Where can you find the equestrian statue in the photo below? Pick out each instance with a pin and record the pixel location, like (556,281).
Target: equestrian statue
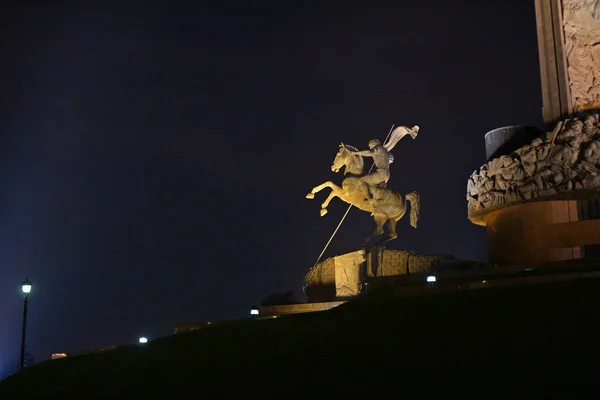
(368,192)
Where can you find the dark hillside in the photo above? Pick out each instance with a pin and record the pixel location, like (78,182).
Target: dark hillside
(512,342)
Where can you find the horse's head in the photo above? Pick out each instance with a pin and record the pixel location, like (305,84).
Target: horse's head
(344,157)
(341,158)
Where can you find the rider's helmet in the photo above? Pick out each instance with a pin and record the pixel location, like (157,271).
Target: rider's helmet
(374,143)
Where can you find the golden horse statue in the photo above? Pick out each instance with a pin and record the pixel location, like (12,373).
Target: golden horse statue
(385,205)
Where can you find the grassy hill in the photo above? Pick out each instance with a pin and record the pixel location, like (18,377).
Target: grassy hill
(529,341)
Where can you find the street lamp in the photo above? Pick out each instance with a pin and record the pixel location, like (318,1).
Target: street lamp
(26,290)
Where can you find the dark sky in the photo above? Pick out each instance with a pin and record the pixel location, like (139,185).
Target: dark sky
(154,160)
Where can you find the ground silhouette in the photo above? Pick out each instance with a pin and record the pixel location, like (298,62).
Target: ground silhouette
(526,341)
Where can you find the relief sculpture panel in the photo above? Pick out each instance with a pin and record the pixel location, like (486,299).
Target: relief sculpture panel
(348,273)
(560,162)
(581,29)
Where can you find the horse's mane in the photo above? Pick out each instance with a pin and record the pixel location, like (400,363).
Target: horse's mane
(356,164)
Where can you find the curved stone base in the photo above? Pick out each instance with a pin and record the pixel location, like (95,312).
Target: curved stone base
(561,163)
(540,232)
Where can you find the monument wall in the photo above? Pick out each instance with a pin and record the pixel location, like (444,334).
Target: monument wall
(533,199)
(568,35)
(525,197)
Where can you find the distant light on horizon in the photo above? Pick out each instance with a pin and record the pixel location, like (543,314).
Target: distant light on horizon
(431,278)
(143,339)
(254,311)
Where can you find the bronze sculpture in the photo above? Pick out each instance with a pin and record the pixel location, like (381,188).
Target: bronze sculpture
(367,192)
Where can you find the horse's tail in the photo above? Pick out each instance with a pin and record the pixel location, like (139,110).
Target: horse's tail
(413,199)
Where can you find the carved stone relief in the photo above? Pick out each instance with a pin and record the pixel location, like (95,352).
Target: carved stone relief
(567,159)
(347,273)
(581,25)
(374,263)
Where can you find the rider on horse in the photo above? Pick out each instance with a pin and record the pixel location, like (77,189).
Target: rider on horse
(382,159)
(366,192)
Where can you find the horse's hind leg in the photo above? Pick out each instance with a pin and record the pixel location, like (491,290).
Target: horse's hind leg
(392,228)
(379,221)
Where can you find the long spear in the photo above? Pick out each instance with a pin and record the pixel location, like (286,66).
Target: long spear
(345,214)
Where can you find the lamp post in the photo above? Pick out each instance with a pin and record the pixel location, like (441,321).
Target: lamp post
(25,289)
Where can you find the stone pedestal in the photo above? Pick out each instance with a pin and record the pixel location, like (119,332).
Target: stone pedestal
(541,232)
(344,276)
(348,268)
(519,234)
(529,199)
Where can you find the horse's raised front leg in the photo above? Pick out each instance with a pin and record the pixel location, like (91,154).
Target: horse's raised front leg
(333,194)
(317,189)
(336,191)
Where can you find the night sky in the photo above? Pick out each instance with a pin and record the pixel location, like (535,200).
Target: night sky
(154,160)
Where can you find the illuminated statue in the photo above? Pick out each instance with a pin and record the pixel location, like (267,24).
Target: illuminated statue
(368,192)
(382,158)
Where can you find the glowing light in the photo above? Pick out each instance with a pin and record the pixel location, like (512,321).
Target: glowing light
(58,355)
(431,278)
(26,286)
(254,311)
(143,339)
